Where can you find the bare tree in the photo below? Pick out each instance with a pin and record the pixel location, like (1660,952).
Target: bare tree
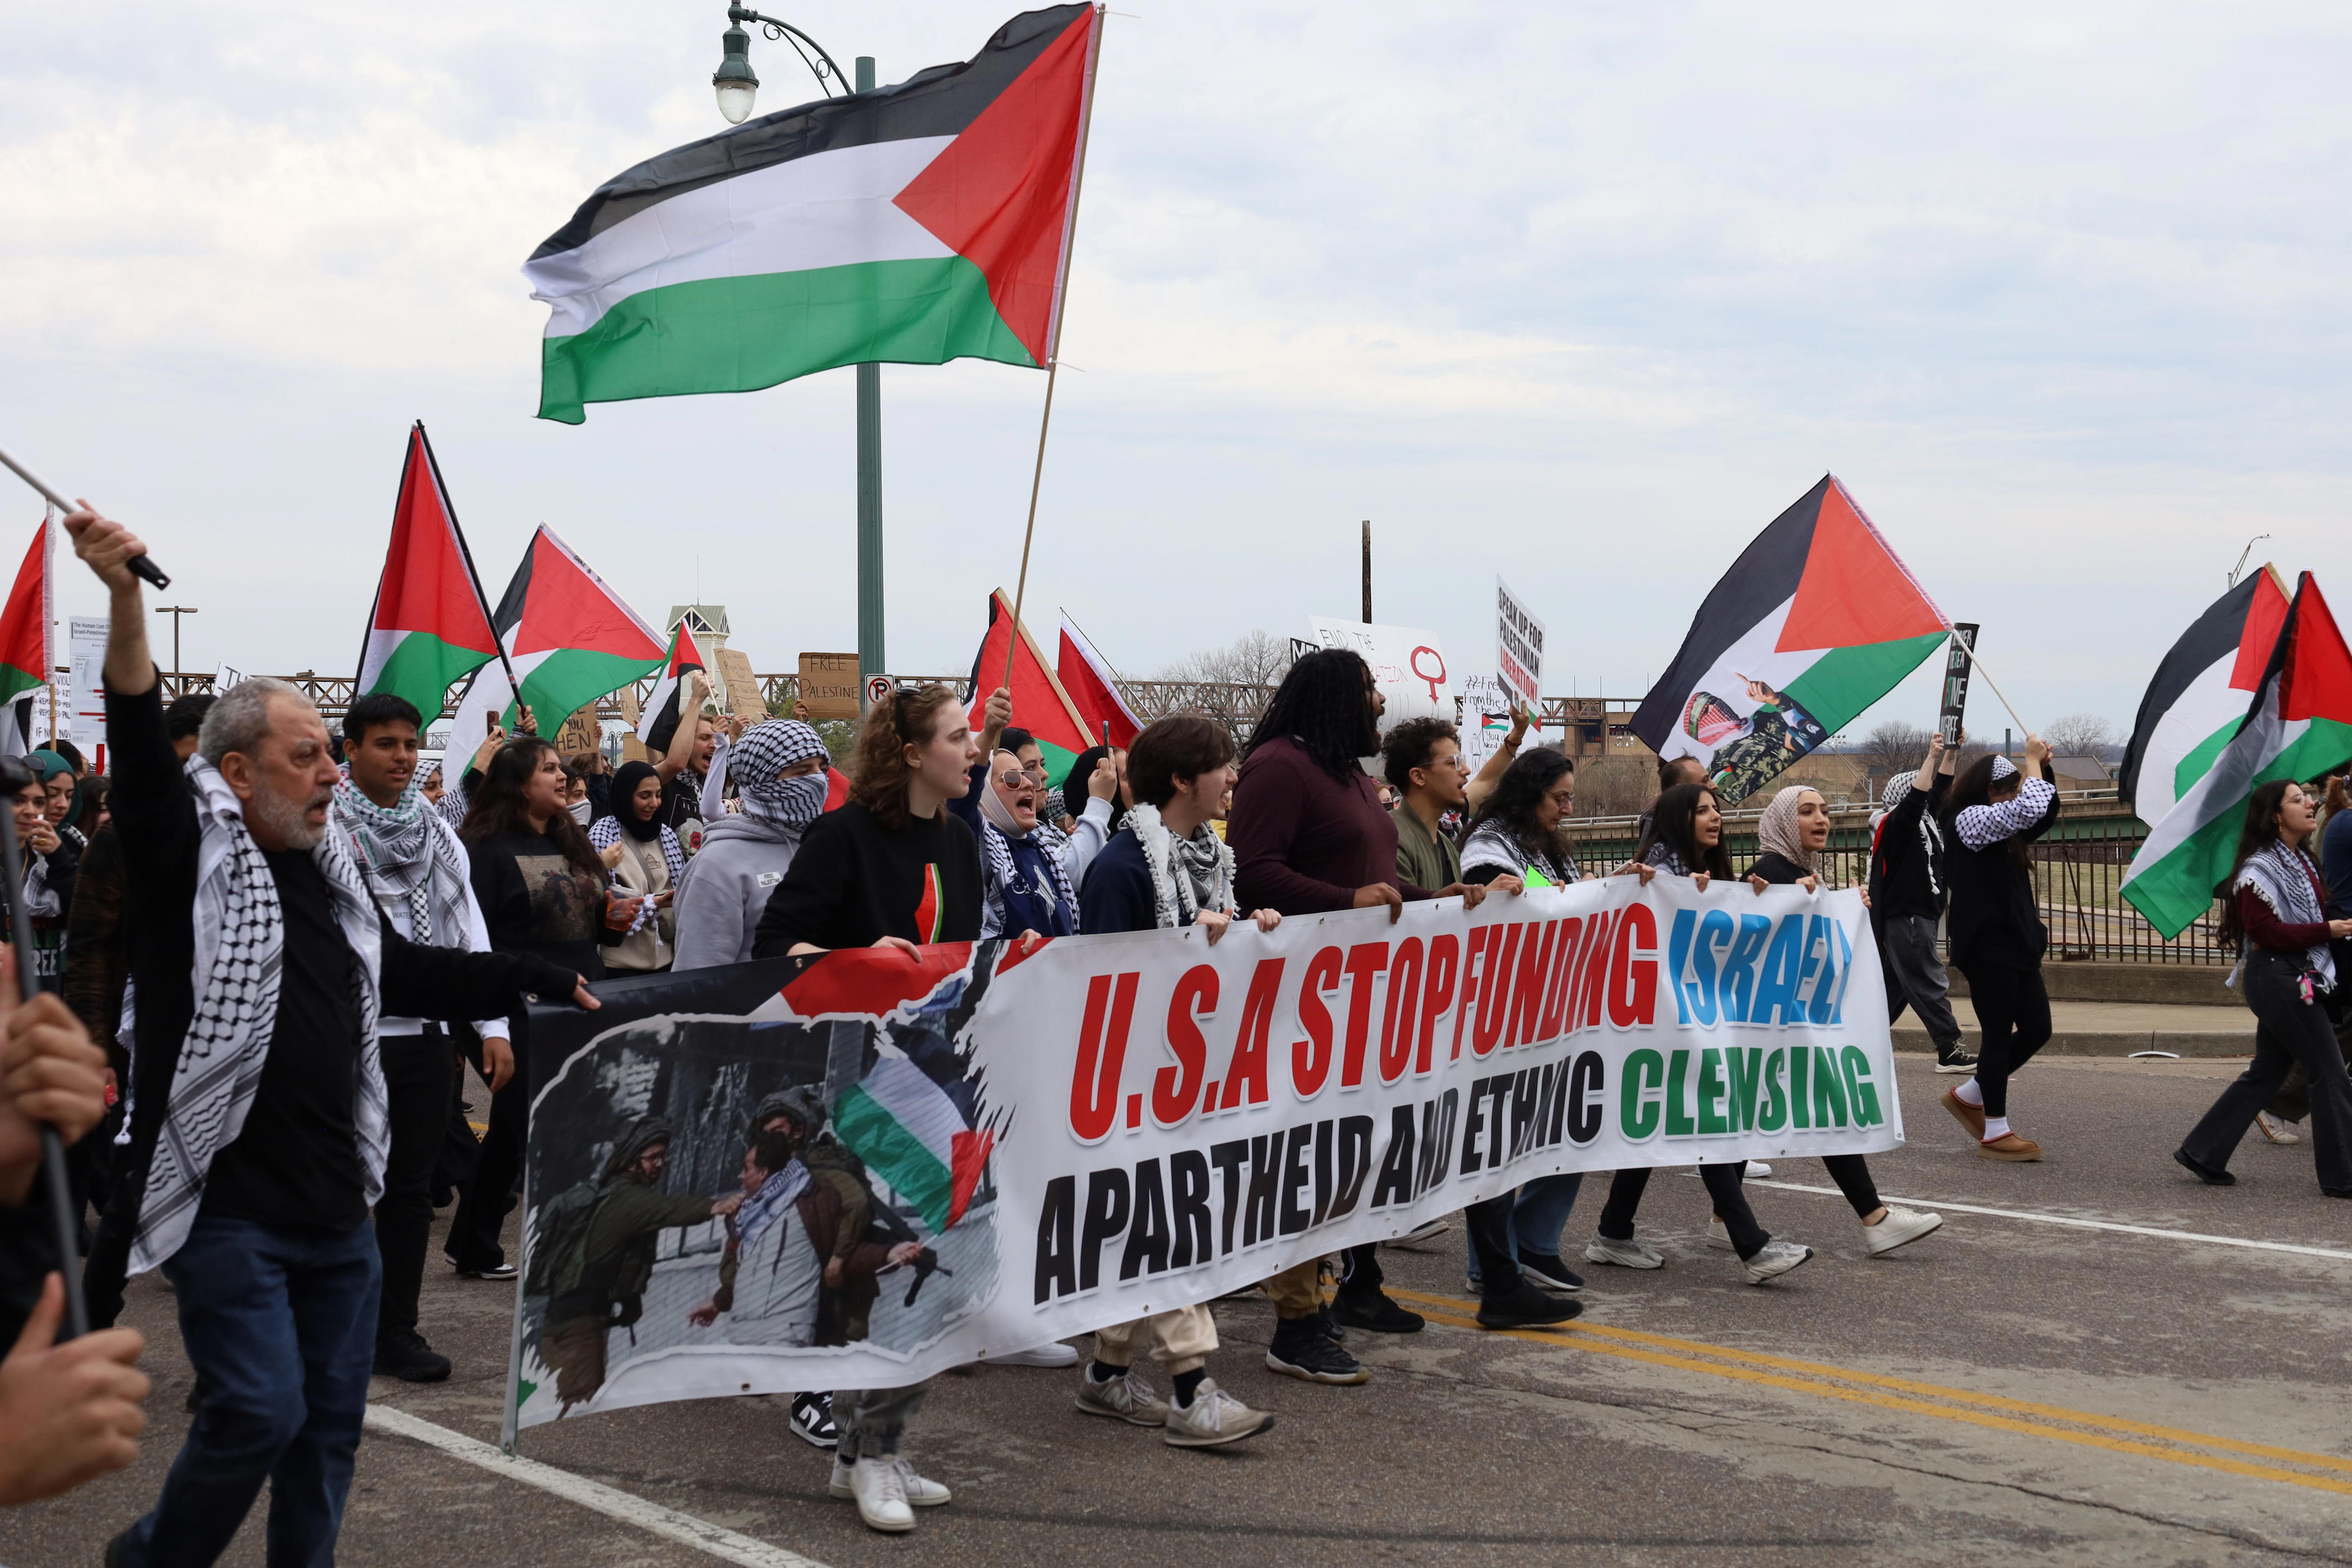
(2079,735)
(1254,658)
(1898,746)
(1615,786)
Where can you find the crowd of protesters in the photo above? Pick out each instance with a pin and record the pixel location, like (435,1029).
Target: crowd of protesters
(274,963)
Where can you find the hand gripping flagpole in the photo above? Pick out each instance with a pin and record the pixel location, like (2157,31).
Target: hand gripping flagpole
(141,566)
(64,1222)
(1053,348)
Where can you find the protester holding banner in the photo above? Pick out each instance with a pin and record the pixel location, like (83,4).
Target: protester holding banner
(2275,915)
(1996,934)
(417,872)
(650,864)
(778,769)
(542,888)
(1167,868)
(256,1154)
(1793,831)
(1025,888)
(1421,760)
(1908,891)
(892,868)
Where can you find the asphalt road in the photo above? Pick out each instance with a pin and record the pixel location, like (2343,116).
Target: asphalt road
(2004,1391)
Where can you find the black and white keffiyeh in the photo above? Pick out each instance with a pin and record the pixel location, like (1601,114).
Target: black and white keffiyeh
(1188,875)
(1492,844)
(1662,855)
(240,945)
(608,833)
(2288,882)
(765,751)
(407,847)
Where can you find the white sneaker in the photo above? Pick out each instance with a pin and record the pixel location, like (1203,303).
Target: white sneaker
(1897,1227)
(1757,1171)
(879,1491)
(1131,1397)
(2275,1129)
(1776,1259)
(920,1493)
(1214,1419)
(1053,1353)
(1421,1232)
(1719,1235)
(1623,1254)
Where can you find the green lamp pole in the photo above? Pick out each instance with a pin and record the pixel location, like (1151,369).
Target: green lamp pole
(738,87)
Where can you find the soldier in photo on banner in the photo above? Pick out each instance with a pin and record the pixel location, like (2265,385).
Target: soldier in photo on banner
(1749,754)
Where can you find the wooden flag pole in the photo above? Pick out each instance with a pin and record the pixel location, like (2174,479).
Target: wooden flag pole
(1977,666)
(1054,349)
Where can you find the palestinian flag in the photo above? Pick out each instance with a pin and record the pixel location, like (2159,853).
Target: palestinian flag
(430,628)
(1040,705)
(658,726)
(25,643)
(2200,693)
(1816,620)
(570,639)
(1085,675)
(913,224)
(910,1133)
(2299,727)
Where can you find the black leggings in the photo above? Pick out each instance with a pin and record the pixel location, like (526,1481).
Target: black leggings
(2013,1013)
(1748,1237)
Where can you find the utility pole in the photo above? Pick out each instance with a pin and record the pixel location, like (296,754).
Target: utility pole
(871,657)
(175,612)
(1367,571)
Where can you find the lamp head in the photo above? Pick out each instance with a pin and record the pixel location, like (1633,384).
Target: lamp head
(734,81)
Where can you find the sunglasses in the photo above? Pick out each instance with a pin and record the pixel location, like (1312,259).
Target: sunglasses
(1013,778)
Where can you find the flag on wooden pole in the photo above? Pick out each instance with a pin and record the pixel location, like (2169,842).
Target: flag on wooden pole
(430,627)
(25,643)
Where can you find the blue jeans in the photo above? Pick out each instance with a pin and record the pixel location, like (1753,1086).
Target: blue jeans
(1538,1217)
(280,1326)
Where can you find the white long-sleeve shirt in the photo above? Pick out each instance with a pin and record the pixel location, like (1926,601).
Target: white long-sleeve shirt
(1086,838)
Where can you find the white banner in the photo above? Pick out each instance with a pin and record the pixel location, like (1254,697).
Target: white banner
(1017,1149)
(1519,647)
(1408,666)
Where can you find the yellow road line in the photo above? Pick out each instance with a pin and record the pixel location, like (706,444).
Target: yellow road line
(1816,1378)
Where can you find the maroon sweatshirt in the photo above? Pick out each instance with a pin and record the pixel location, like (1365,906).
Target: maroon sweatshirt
(1303,841)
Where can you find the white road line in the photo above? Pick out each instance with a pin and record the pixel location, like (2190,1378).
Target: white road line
(2069,1220)
(610,1502)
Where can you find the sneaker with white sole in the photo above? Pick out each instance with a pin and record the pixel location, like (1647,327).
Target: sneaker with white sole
(1214,1419)
(1954,1060)
(1719,1235)
(1128,1397)
(1897,1227)
(1548,1271)
(1776,1258)
(1623,1254)
(1757,1171)
(880,1480)
(1053,1353)
(2276,1130)
(812,1420)
(1423,1232)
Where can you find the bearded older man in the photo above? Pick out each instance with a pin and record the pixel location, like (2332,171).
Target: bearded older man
(257,1128)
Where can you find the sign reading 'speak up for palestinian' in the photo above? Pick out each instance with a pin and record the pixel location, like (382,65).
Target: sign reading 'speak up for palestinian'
(1519,647)
(867,1169)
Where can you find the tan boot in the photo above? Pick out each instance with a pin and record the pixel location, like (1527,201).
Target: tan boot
(1970,1116)
(2010,1147)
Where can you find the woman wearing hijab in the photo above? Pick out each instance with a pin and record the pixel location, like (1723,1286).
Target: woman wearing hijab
(1996,933)
(779,771)
(1793,832)
(649,866)
(1023,887)
(53,857)
(2277,916)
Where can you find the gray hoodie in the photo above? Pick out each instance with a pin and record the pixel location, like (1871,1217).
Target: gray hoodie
(726,890)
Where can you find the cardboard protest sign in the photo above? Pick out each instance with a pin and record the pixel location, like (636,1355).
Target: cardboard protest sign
(829,685)
(1408,666)
(860,1170)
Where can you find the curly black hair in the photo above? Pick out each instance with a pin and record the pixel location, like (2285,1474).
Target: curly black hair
(1408,747)
(1517,794)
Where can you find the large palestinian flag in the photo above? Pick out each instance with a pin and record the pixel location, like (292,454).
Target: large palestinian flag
(1040,705)
(2299,727)
(25,648)
(914,223)
(1814,622)
(570,639)
(2200,694)
(430,628)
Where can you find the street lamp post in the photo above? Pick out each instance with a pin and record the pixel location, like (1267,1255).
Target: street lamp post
(737,87)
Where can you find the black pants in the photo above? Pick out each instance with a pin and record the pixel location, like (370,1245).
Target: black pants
(2288,1030)
(1748,1237)
(417,1069)
(1359,1268)
(1852,1174)
(482,1208)
(2013,1013)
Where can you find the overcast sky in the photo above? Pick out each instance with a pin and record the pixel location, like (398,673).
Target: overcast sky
(1582,294)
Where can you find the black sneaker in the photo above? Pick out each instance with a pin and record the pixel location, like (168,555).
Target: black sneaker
(2212,1177)
(1527,1307)
(812,1420)
(1299,1352)
(1329,1326)
(1550,1272)
(406,1356)
(1954,1060)
(1372,1309)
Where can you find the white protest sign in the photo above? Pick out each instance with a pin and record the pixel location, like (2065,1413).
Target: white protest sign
(1408,666)
(1519,647)
(86,705)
